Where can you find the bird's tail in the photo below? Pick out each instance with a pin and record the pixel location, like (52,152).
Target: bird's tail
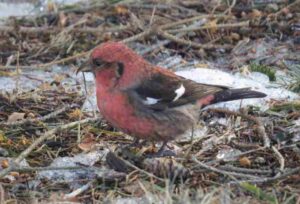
(235,94)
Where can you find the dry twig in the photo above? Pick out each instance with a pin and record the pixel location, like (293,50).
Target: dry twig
(280,159)
(227,173)
(245,170)
(138,36)
(139,169)
(55,30)
(190,43)
(284,175)
(187,20)
(219,26)
(78,191)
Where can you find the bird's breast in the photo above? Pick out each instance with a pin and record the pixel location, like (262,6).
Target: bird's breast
(116,109)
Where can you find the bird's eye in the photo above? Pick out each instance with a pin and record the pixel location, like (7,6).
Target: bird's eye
(120,69)
(97,62)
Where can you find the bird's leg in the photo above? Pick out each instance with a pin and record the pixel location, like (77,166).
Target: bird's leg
(162,152)
(162,148)
(135,143)
(128,152)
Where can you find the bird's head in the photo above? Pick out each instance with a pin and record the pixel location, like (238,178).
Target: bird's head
(116,61)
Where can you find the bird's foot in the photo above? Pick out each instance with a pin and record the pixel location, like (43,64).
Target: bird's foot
(136,143)
(162,152)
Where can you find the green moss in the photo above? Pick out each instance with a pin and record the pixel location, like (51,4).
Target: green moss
(295,87)
(264,69)
(114,1)
(287,106)
(295,82)
(259,193)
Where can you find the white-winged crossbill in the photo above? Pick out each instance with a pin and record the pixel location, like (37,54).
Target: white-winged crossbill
(147,101)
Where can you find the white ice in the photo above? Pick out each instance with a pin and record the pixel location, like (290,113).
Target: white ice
(82,159)
(15,9)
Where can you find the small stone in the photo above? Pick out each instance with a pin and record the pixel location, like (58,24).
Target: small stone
(289,16)
(202,53)
(245,162)
(191,34)
(245,31)
(3,152)
(235,36)
(227,39)
(255,13)
(260,160)
(243,14)
(30,115)
(270,8)
(4,163)
(296,40)
(285,11)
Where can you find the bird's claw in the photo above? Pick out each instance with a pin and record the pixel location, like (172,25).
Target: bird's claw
(161,153)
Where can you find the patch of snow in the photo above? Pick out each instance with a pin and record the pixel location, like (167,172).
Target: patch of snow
(199,132)
(83,159)
(170,62)
(90,103)
(133,200)
(28,7)
(89,77)
(220,121)
(228,155)
(15,9)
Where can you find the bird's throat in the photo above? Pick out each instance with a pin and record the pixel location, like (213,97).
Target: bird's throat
(106,78)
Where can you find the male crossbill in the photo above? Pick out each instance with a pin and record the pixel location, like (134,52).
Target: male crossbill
(147,101)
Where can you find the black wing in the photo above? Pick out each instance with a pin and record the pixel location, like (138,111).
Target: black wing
(166,90)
